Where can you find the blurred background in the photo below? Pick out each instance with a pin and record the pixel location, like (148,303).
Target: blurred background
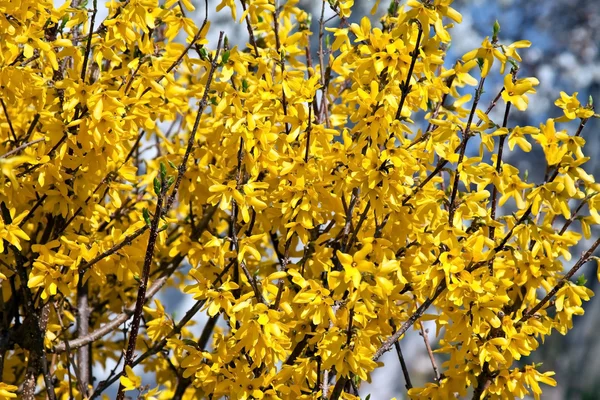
(564,55)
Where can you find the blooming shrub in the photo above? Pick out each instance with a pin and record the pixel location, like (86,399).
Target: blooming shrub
(323,205)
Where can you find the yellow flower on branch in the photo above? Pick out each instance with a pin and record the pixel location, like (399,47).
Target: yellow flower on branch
(516,91)
(130,381)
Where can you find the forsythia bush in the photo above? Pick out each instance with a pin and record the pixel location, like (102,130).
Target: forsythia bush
(319,207)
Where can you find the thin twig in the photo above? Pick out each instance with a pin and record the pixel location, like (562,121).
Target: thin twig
(152,290)
(125,242)
(582,260)
(492,231)
(10,125)
(88,45)
(436,372)
(141,297)
(321,55)
(163,342)
(461,156)
(69,358)
(21,147)
(233,229)
(250,30)
(575,212)
(498,169)
(83,329)
(442,162)
(408,383)
(281,62)
(405,86)
(361,220)
(308,131)
(105,180)
(283,263)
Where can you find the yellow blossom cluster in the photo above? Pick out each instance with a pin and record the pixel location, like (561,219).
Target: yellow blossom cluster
(315,207)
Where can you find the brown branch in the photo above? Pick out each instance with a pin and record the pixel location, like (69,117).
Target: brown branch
(442,162)
(297,350)
(88,46)
(308,131)
(192,138)
(405,86)
(281,62)
(202,342)
(461,156)
(581,126)
(32,210)
(152,290)
(283,263)
(361,220)
(83,329)
(21,147)
(498,169)
(233,230)
(349,211)
(436,372)
(125,242)
(349,328)
(582,260)
(575,212)
(339,387)
(110,327)
(37,359)
(407,381)
(250,30)
(69,358)
(141,297)
(309,64)
(10,125)
(387,345)
(482,381)
(322,64)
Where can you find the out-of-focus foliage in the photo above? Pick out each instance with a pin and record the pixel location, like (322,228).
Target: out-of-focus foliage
(319,221)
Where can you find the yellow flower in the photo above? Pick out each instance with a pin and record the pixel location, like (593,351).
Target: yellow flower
(515,92)
(355,265)
(130,381)
(312,206)
(7,391)
(550,140)
(572,107)
(12,232)
(510,50)
(486,53)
